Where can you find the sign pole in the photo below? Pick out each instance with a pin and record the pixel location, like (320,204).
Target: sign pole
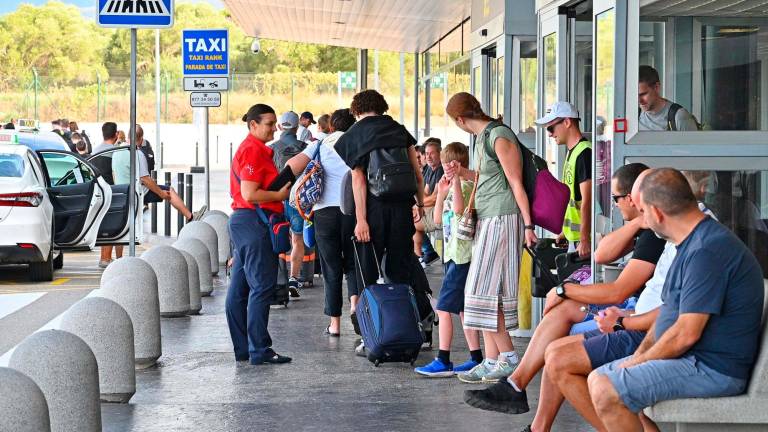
(157,92)
(132,184)
(206,151)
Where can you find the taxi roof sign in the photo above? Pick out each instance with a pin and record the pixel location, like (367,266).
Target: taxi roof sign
(27,124)
(11,138)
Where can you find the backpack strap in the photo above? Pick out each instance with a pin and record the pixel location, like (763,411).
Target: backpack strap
(671,124)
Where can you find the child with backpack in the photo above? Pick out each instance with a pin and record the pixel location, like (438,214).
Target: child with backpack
(453,194)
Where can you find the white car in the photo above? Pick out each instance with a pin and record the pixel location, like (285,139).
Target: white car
(53,200)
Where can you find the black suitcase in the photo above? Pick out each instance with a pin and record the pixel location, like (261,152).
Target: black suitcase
(280,297)
(569,263)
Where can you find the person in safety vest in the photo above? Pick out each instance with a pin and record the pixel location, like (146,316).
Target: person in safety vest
(562,124)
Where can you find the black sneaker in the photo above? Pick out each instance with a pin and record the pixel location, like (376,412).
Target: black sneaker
(429,258)
(500,397)
(294,287)
(526,429)
(273,358)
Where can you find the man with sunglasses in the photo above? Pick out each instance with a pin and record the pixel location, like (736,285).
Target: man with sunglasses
(562,124)
(570,307)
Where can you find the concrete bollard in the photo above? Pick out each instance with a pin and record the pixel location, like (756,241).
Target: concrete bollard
(107,329)
(171,270)
(206,234)
(215,212)
(65,369)
(194,284)
(22,404)
(136,292)
(218,221)
(202,257)
(129,265)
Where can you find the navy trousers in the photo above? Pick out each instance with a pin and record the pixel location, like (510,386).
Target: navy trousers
(252,285)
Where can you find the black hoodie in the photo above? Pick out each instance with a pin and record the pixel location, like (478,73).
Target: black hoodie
(368,134)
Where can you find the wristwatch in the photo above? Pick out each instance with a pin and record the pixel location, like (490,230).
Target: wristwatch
(530,227)
(560,291)
(619,324)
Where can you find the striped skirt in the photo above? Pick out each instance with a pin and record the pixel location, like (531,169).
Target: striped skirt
(493,274)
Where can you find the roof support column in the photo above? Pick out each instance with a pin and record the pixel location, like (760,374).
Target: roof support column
(362,69)
(416,95)
(427,91)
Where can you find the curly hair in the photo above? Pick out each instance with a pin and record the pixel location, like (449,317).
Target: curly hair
(368,101)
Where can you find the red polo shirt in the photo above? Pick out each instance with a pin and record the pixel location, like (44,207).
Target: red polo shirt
(252,162)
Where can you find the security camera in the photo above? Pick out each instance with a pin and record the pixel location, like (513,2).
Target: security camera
(255,46)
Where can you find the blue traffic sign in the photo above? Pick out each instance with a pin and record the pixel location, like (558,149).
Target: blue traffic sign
(205,52)
(134,13)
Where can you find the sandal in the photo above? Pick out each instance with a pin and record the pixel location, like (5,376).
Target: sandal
(327,331)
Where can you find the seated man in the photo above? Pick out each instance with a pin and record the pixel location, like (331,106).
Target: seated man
(569,360)
(713,301)
(564,303)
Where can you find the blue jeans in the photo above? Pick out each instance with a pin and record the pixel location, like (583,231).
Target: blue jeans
(252,285)
(293,216)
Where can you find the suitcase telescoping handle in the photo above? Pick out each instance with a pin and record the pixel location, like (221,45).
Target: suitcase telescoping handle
(360,267)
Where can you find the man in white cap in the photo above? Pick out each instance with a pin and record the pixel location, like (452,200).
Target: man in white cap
(285,148)
(562,124)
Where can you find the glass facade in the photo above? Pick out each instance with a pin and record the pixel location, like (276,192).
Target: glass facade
(605,45)
(528,89)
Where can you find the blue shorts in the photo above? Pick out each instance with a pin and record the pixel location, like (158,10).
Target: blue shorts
(293,216)
(605,348)
(451,297)
(654,381)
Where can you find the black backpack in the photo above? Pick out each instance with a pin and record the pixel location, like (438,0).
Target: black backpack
(390,173)
(672,124)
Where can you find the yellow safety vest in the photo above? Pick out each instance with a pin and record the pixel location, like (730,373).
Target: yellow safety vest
(572,221)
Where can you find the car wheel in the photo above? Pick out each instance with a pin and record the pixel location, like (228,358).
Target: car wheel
(42,271)
(58,262)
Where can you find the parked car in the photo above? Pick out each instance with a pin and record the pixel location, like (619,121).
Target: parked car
(54,200)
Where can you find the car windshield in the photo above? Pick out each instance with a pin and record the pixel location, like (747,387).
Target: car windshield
(11,165)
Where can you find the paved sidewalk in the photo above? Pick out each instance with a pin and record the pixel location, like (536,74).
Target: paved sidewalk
(198,386)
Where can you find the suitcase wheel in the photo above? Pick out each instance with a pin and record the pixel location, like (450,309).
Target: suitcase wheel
(413,362)
(376,363)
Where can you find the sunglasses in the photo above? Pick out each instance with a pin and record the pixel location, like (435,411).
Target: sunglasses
(616,198)
(551,128)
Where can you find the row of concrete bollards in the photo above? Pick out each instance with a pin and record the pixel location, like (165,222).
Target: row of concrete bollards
(57,378)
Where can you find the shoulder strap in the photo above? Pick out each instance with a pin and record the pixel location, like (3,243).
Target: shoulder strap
(260,212)
(316,155)
(671,124)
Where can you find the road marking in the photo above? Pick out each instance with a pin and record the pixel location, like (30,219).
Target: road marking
(10,303)
(60,281)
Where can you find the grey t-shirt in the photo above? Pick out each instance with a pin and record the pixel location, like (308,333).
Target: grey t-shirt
(657,121)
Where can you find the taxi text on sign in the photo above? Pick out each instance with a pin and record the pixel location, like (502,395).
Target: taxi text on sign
(135,13)
(205,52)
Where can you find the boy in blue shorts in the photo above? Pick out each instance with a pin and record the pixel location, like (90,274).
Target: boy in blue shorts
(453,193)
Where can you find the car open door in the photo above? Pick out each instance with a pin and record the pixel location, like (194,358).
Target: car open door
(115,226)
(80,198)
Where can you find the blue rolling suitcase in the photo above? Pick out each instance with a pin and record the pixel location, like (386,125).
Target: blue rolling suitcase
(389,321)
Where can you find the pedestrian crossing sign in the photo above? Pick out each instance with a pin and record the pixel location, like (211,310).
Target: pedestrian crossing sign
(135,13)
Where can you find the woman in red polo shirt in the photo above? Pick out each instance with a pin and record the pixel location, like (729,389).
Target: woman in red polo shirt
(254,270)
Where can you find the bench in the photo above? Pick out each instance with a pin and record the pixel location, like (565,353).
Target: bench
(743,413)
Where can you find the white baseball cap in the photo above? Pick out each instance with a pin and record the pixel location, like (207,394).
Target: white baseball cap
(559,110)
(289,120)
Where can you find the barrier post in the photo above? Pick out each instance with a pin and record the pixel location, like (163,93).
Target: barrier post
(180,192)
(167,214)
(189,191)
(153,209)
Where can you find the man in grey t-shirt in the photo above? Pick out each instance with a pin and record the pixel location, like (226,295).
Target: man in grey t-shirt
(654,115)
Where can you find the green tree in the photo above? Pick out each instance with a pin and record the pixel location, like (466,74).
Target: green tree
(55,39)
